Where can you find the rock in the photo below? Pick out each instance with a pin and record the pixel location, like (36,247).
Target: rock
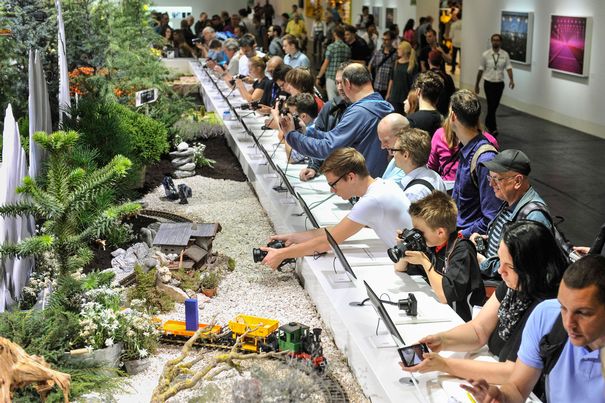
(191,293)
(182,146)
(118,263)
(181,161)
(179,154)
(162,259)
(149,262)
(141,250)
(188,167)
(173,292)
(118,252)
(172,257)
(147,236)
(174,282)
(183,174)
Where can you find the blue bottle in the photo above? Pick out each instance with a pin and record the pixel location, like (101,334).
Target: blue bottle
(191,315)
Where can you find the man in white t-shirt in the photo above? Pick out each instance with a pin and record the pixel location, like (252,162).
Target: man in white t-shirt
(493,63)
(382,207)
(411,153)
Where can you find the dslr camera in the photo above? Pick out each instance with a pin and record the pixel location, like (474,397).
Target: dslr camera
(258,255)
(236,77)
(410,239)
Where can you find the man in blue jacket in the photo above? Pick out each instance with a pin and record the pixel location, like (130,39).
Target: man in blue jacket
(357,128)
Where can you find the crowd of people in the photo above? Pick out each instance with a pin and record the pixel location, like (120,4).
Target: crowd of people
(394,132)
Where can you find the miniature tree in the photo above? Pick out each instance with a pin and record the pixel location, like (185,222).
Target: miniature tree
(62,199)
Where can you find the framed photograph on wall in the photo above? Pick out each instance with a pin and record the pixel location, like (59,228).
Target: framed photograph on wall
(569,44)
(390,17)
(517,30)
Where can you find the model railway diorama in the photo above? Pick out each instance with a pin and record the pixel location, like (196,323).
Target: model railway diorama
(260,335)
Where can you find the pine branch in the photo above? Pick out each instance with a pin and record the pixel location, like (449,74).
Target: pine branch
(108,218)
(19,209)
(94,184)
(33,246)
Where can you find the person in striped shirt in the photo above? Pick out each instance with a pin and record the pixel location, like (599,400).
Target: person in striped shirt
(509,177)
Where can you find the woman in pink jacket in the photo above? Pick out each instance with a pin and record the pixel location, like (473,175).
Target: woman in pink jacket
(444,151)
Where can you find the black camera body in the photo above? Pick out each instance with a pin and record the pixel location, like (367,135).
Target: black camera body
(236,77)
(196,40)
(254,105)
(480,245)
(410,239)
(409,305)
(258,255)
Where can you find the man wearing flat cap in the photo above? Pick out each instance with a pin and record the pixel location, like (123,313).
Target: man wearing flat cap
(509,177)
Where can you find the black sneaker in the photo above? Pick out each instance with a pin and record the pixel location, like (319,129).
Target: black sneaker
(169,188)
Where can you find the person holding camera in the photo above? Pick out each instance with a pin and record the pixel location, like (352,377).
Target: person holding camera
(327,119)
(303,109)
(531,266)
(411,153)
(357,127)
(261,89)
(562,344)
(382,206)
(509,177)
(449,261)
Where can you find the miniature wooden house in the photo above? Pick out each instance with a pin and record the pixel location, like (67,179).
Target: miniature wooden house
(193,240)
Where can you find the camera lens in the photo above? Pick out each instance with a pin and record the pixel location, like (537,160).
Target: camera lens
(395,254)
(258,255)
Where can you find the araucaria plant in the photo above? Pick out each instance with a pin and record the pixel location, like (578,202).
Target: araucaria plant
(65,195)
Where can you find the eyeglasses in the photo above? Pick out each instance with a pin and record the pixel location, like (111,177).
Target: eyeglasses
(333,184)
(494,180)
(392,150)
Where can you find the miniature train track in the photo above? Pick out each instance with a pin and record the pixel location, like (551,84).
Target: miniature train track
(163,214)
(327,383)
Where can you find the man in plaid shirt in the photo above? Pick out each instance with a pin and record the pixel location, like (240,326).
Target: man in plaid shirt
(381,64)
(337,53)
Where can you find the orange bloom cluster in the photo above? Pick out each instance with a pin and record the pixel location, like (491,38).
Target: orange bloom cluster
(76,77)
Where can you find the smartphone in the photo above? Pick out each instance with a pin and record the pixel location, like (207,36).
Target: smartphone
(412,355)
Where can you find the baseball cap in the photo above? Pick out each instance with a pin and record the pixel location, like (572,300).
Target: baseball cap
(509,160)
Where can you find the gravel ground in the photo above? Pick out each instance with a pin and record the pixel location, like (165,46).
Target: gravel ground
(250,289)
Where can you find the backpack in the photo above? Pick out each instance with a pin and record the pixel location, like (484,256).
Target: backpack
(419,182)
(551,347)
(483,148)
(562,241)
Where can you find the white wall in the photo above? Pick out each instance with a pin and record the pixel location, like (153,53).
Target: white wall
(568,100)
(211,7)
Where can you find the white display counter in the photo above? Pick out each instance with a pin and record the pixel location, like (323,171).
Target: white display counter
(369,348)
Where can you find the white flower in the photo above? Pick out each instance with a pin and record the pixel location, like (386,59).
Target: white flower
(109,342)
(143,353)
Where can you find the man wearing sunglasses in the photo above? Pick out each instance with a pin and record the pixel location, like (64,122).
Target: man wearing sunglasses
(509,177)
(382,207)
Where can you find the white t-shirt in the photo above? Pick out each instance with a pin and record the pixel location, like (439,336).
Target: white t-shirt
(384,208)
(419,191)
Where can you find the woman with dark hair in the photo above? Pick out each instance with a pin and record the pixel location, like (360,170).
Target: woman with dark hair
(531,266)
(408,32)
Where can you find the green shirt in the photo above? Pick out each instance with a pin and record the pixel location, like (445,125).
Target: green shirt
(338,52)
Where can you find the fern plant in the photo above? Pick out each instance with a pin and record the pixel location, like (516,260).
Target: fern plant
(66,194)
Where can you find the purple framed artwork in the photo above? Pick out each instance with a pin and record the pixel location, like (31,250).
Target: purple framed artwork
(569,45)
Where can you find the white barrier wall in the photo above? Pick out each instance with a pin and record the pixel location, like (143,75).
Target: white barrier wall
(568,100)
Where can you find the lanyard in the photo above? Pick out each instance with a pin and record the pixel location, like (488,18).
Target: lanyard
(496,61)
